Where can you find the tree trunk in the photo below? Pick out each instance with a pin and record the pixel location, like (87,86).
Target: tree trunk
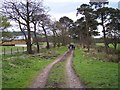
(63,38)
(115,42)
(105,41)
(29,45)
(58,41)
(38,48)
(80,40)
(87,36)
(54,43)
(47,41)
(88,47)
(54,39)
(104,35)
(115,45)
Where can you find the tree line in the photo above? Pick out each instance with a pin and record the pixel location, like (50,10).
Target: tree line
(107,17)
(32,16)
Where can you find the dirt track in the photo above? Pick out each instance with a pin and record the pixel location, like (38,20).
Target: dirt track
(72,81)
(41,80)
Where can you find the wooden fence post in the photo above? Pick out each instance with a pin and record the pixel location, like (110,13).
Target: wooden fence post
(23,49)
(11,51)
(4,51)
(17,50)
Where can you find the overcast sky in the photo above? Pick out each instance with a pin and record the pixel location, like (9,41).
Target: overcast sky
(59,8)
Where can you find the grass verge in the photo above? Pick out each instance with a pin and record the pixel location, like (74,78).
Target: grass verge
(19,71)
(95,73)
(56,77)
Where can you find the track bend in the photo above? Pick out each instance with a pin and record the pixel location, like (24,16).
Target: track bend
(41,79)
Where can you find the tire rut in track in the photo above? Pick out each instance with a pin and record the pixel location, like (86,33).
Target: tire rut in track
(72,80)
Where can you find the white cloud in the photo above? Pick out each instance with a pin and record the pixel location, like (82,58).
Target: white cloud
(113,0)
(71,15)
(68,8)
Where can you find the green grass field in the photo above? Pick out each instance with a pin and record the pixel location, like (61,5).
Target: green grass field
(18,71)
(1,72)
(1,48)
(95,73)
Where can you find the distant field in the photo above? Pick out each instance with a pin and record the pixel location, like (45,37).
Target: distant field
(8,48)
(110,45)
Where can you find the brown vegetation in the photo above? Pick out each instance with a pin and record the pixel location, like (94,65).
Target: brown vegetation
(15,42)
(99,54)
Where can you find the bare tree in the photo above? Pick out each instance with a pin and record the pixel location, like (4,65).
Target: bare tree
(54,28)
(39,10)
(22,13)
(44,22)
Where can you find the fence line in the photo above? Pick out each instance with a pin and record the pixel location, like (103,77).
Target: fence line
(11,52)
